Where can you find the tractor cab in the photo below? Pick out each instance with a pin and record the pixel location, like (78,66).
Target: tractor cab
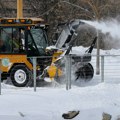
(23,36)
(20,40)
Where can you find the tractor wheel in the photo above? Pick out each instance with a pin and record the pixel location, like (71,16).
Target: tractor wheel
(20,75)
(85,72)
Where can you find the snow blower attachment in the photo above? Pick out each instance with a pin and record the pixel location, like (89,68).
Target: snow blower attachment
(84,69)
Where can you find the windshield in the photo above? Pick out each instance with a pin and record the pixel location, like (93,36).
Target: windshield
(40,39)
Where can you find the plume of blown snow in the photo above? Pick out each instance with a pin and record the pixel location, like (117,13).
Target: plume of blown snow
(112,27)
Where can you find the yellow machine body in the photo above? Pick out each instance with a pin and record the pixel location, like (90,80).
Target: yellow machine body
(53,70)
(8,61)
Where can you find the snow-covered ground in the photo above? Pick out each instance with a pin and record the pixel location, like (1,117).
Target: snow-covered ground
(49,103)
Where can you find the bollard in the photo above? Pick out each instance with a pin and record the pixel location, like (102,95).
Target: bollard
(68,72)
(102,68)
(34,73)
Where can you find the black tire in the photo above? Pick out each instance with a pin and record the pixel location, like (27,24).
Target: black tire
(85,73)
(20,75)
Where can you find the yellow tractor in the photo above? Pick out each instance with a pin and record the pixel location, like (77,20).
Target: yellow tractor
(21,39)
(24,38)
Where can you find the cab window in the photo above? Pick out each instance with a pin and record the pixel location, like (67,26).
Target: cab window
(11,40)
(38,40)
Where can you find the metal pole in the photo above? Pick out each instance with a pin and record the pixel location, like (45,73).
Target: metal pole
(19,9)
(0,77)
(66,69)
(0,82)
(102,68)
(98,55)
(34,72)
(68,72)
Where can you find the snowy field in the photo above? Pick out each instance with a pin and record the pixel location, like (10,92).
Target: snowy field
(49,103)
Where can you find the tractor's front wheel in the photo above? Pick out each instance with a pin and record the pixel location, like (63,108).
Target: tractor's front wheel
(20,75)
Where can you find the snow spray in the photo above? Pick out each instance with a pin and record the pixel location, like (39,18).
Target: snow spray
(112,27)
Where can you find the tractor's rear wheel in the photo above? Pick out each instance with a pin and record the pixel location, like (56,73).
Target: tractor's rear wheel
(20,75)
(85,72)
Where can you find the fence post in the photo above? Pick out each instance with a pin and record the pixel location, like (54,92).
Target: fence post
(34,73)
(66,68)
(68,71)
(102,68)
(0,76)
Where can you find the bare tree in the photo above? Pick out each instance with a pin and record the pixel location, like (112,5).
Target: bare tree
(56,11)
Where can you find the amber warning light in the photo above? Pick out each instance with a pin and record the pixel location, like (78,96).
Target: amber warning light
(15,21)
